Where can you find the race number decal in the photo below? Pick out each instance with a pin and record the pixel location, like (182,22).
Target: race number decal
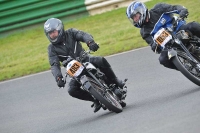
(162,37)
(74,68)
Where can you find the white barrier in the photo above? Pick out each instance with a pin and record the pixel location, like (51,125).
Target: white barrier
(100,6)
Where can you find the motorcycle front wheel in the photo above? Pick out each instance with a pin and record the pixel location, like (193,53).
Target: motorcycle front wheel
(187,67)
(105,97)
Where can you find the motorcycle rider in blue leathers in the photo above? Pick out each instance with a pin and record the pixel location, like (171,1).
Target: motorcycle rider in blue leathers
(65,44)
(147,20)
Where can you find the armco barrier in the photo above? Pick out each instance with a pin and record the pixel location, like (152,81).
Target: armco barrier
(34,11)
(23,13)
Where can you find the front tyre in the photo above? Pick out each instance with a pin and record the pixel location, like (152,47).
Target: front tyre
(186,67)
(105,97)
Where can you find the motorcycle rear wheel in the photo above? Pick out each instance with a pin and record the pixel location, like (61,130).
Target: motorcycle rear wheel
(105,97)
(186,67)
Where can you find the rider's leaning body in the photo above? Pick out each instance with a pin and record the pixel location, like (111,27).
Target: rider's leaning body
(147,20)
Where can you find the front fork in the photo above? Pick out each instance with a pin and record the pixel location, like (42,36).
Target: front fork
(171,53)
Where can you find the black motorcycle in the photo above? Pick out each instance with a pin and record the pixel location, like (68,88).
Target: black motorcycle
(182,48)
(93,81)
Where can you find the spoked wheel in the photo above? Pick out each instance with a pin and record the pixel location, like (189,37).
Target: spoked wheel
(105,97)
(187,67)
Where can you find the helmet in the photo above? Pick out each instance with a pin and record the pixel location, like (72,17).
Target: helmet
(54,24)
(134,8)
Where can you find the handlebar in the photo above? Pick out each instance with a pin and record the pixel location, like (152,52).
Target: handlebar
(83,54)
(176,20)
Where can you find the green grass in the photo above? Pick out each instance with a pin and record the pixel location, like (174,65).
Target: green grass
(25,52)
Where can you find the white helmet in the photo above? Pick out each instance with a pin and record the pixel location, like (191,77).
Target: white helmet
(134,8)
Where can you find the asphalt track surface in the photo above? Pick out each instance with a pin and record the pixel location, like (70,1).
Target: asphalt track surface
(159,100)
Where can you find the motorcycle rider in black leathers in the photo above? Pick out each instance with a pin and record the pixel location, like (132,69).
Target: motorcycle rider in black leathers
(66,44)
(141,17)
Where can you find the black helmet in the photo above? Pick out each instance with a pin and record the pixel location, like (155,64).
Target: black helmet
(51,25)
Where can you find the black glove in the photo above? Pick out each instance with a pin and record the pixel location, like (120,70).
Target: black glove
(60,81)
(184,13)
(155,48)
(93,46)
(65,62)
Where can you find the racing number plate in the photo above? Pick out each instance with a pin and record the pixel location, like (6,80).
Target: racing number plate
(162,37)
(75,69)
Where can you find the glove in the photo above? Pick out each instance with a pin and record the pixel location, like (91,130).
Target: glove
(184,13)
(155,48)
(65,62)
(93,46)
(60,81)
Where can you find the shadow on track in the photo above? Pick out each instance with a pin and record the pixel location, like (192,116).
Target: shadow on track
(107,115)
(84,122)
(161,100)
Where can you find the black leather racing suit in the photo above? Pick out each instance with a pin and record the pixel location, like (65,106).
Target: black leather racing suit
(71,46)
(155,14)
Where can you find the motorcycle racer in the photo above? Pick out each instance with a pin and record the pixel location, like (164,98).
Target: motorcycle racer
(67,43)
(145,19)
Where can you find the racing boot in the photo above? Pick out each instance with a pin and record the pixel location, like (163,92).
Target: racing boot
(96,105)
(118,82)
(123,103)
